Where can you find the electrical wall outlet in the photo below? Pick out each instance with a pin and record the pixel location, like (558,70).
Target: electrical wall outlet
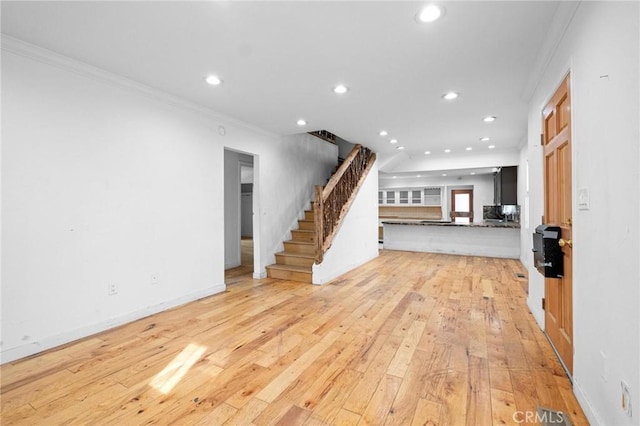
(155,279)
(112,289)
(626,398)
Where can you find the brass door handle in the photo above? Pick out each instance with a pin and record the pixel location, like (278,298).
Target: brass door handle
(563,243)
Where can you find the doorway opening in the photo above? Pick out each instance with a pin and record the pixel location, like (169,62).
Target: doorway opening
(462,205)
(246,215)
(241,230)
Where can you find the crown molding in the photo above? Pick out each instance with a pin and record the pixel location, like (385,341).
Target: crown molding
(555,34)
(51,58)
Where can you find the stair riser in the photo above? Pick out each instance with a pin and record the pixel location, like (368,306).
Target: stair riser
(299,248)
(308,214)
(302,236)
(307,226)
(304,277)
(283,259)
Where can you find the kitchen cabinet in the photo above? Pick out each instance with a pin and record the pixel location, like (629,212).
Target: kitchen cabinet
(407,196)
(505,186)
(433,196)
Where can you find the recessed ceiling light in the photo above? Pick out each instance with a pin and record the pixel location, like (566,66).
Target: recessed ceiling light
(418,175)
(430,13)
(447,151)
(484,139)
(400,148)
(472,173)
(444,174)
(213,80)
(393,141)
(383,133)
(469,148)
(427,152)
(340,89)
(395,177)
(302,122)
(489,119)
(491,146)
(450,96)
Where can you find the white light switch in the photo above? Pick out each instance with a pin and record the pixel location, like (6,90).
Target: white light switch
(583,199)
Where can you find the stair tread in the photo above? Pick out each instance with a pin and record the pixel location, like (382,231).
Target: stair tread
(306,231)
(304,243)
(303,255)
(290,268)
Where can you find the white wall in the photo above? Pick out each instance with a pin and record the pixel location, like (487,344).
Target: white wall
(458,240)
(303,161)
(527,228)
(104,181)
(357,239)
(600,47)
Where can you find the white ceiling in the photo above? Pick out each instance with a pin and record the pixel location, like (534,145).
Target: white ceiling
(280,60)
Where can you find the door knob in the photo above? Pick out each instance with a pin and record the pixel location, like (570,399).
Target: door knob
(563,243)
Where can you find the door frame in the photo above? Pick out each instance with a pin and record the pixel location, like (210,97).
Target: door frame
(259,270)
(471,212)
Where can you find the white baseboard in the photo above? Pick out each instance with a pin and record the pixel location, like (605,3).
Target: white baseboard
(50,342)
(592,415)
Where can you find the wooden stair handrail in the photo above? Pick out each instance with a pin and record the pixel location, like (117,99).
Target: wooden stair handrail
(333,181)
(332,202)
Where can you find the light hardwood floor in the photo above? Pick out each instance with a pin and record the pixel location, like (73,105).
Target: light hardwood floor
(246,262)
(407,339)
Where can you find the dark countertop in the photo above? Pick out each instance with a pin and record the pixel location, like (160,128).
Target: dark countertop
(510,225)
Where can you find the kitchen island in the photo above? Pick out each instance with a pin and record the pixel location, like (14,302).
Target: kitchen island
(490,239)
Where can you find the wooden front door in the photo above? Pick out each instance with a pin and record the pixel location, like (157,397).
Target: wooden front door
(557,211)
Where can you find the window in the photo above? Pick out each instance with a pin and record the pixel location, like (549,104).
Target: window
(404,197)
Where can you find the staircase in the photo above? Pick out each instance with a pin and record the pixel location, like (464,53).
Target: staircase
(294,263)
(316,231)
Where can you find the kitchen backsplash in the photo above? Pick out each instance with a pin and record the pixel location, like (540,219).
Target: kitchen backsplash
(508,213)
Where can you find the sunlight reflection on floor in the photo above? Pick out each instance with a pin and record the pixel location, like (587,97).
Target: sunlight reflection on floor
(165,380)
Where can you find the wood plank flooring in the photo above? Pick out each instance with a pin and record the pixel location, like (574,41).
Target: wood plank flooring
(407,339)
(246,261)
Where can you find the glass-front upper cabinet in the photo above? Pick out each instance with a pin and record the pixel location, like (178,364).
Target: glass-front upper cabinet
(410,196)
(433,196)
(416,196)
